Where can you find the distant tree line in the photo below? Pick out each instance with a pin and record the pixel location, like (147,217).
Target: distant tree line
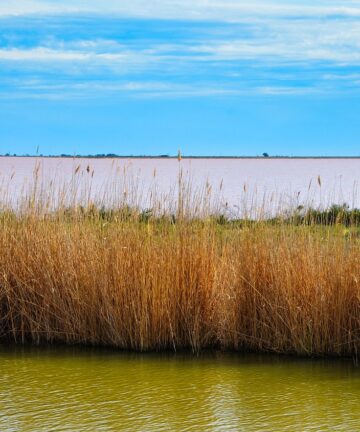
(95,156)
(114,155)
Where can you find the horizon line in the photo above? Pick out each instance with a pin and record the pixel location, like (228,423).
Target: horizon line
(166,156)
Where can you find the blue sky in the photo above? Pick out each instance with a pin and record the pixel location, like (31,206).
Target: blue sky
(212,77)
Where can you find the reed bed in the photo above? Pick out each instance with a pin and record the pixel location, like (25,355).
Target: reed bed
(179,278)
(193,284)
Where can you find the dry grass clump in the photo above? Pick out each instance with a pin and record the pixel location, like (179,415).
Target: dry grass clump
(153,284)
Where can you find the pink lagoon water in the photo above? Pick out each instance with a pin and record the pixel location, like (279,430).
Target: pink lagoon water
(231,184)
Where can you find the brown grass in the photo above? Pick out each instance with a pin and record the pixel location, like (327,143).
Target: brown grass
(157,285)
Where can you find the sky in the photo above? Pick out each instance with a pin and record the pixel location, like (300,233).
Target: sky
(211,77)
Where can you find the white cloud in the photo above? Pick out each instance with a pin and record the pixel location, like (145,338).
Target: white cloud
(52,56)
(302,40)
(277,53)
(273,37)
(29,7)
(270,39)
(42,55)
(35,89)
(279,90)
(185,9)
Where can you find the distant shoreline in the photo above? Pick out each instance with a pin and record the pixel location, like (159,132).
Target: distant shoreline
(113,156)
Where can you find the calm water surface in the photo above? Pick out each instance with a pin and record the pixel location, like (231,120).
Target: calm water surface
(74,389)
(234,182)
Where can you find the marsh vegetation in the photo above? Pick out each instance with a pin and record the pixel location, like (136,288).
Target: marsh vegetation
(179,274)
(127,279)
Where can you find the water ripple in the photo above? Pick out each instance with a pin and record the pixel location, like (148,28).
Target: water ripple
(82,390)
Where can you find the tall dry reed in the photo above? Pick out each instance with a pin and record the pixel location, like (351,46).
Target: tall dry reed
(134,279)
(154,284)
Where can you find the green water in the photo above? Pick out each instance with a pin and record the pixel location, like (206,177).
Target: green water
(88,390)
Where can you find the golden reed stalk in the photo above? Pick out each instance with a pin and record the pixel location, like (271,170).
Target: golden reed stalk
(193,284)
(130,280)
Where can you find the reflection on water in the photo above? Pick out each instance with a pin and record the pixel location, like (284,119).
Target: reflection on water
(81,390)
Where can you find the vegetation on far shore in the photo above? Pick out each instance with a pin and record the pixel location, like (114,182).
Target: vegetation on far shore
(168,156)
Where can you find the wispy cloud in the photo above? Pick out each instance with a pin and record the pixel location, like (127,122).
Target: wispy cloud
(37,89)
(259,48)
(41,54)
(32,7)
(185,9)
